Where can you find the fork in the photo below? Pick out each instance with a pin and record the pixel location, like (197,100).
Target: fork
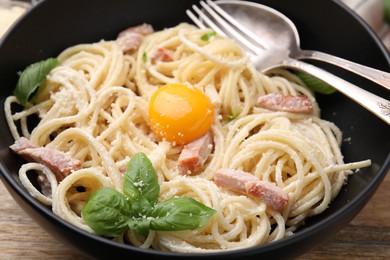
(266,58)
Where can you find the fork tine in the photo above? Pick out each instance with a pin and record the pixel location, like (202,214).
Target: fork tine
(250,35)
(222,24)
(195,19)
(206,21)
(210,18)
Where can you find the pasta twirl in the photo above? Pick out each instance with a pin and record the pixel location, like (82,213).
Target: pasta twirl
(94,107)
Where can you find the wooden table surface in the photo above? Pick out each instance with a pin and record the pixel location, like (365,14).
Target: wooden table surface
(366,237)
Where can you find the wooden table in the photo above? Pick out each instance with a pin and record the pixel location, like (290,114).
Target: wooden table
(366,237)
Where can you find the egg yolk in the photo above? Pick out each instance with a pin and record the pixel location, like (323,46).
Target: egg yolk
(180,113)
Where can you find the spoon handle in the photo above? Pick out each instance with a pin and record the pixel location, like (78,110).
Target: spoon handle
(380,77)
(373,103)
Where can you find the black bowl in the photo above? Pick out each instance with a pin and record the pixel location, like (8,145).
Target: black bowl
(324,25)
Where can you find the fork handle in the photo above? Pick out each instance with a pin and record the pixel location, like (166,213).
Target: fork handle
(380,77)
(373,103)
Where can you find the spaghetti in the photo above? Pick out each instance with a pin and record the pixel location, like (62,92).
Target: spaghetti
(94,107)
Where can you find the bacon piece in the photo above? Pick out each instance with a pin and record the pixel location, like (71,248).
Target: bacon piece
(233,179)
(271,194)
(130,41)
(21,144)
(244,182)
(143,29)
(59,162)
(194,154)
(300,104)
(131,38)
(163,54)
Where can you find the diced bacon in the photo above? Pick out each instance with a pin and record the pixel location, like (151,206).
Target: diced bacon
(21,144)
(143,29)
(163,54)
(233,179)
(271,194)
(131,38)
(59,162)
(300,104)
(130,41)
(194,155)
(246,183)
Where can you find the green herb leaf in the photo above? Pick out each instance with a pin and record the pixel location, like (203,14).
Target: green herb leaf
(141,207)
(233,116)
(141,179)
(207,36)
(315,84)
(31,78)
(180,213)
(140,225)
(107,212)
(144,57)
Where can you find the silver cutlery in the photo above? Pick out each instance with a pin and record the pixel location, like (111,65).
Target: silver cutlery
(282,49)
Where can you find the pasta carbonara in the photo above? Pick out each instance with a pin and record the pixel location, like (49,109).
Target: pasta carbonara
(94,108)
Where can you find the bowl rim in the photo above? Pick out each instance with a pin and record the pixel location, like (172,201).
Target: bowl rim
(302,234)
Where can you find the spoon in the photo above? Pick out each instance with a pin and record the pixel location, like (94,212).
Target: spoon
(271,41)
(272,28)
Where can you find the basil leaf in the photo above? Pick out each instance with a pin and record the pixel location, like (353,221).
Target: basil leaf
(207,36)
(110,213)
(141,207)
(141,179)
(31,78)
(140,225)
(180,213)
(107,212)
(315,84)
